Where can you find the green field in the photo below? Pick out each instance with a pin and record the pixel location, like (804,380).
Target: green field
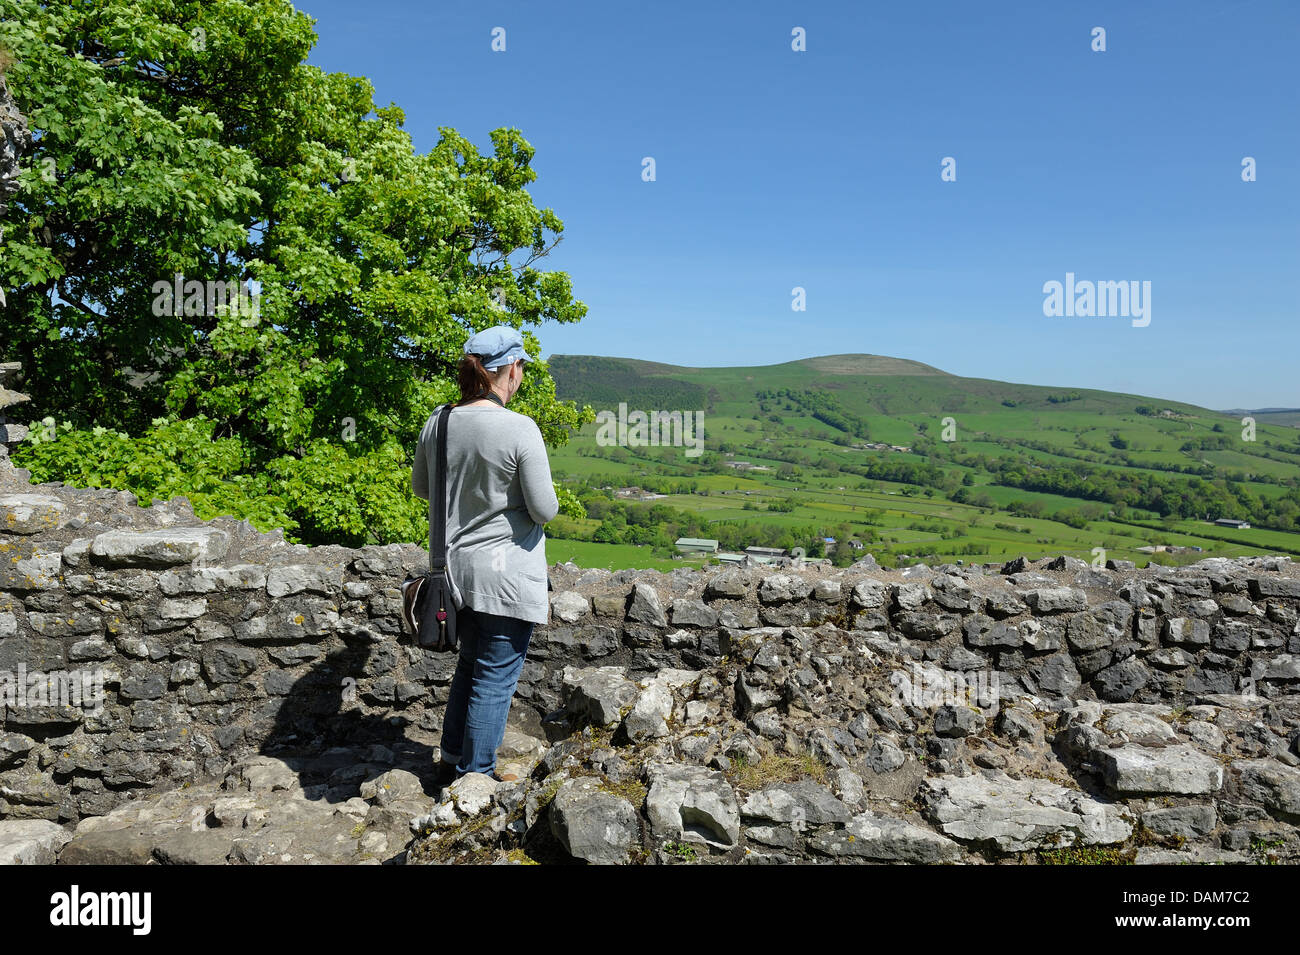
(993,470)
(611,556)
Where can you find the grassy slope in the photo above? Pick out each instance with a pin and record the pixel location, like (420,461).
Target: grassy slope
(896,397)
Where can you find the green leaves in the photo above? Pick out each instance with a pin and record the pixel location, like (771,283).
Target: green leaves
(173,458)
(191,138)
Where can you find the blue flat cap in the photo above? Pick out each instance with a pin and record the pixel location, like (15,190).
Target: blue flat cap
(497,346)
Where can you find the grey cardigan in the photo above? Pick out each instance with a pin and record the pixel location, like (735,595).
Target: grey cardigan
(499,495)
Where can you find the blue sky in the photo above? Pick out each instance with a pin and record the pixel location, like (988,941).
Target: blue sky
(821,170)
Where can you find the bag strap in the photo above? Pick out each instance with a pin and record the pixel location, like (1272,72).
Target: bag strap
(438,532)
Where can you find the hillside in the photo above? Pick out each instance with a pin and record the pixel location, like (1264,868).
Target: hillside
(812,446)
(863,383)
(1287,417)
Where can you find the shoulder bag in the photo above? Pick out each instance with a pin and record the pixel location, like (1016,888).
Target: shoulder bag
(427,607)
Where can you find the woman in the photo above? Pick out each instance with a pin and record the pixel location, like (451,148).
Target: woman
(499,494)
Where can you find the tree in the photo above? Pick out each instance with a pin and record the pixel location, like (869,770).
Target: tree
(191,139)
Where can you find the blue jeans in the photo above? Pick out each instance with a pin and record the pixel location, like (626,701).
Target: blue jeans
(492,650)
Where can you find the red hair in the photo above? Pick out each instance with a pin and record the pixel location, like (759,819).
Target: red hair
(473,380)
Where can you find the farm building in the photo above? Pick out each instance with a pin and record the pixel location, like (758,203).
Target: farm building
(697,545)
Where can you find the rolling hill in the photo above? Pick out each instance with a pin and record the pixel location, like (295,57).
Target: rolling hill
(1084,464)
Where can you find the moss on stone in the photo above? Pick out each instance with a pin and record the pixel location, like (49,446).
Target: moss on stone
(1088,855)
(778,768)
